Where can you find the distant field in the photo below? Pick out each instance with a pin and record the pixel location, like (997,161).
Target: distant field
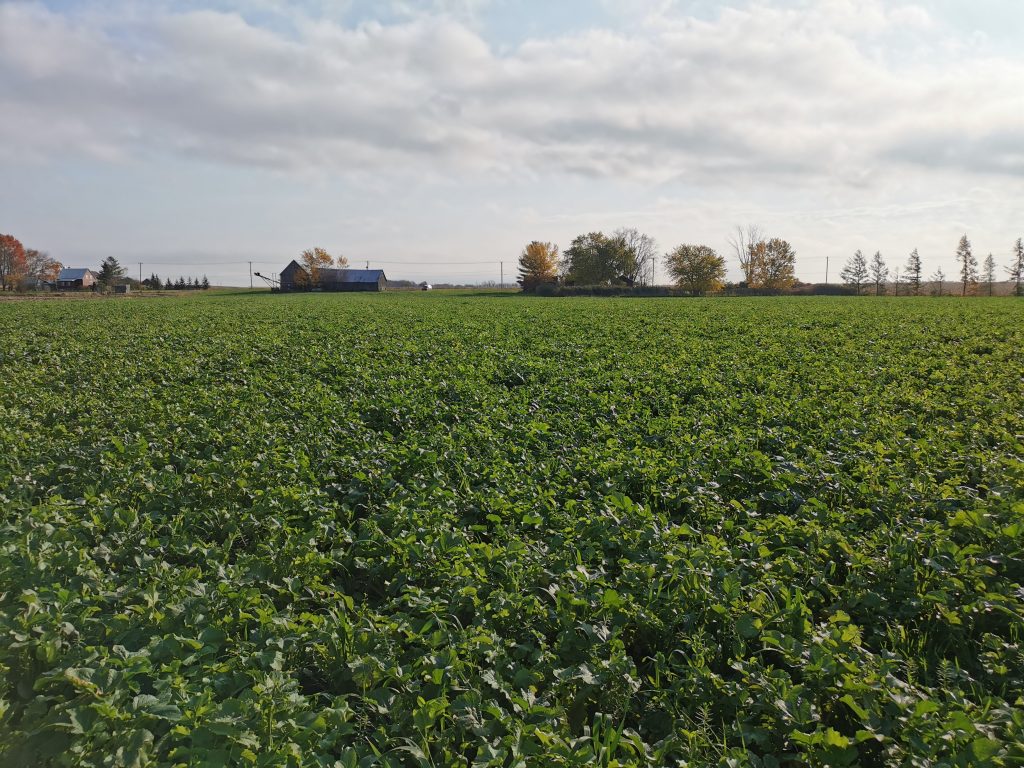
(431,530)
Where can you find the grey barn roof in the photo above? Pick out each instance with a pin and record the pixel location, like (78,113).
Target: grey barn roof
(351,275)
(73,274)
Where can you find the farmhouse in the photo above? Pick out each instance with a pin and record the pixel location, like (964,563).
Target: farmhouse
(294,277)
(75,279)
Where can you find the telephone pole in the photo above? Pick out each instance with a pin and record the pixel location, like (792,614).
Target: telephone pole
(826,270)
(502,273)
(250,274)
(140,273)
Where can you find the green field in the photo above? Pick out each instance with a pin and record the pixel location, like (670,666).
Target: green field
(432,530)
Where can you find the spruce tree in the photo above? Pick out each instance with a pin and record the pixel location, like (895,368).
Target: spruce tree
(111,272)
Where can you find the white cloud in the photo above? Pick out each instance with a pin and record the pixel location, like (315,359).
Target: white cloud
(796,92)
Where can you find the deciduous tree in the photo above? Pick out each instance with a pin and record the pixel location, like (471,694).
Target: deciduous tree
(879,273)
(637,252)
(855,272)
(774,265)
(938,278)
(593,259)
(696,268)
(1016,268)
(313,260)
(968,264)
(538,264)
(913,272)
(40,267)
(742,243)
(12,262)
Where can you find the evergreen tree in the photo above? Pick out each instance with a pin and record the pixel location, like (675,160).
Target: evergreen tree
(913,272)
(179,285)
(968,264)
(855,272)
(168,284)
(206,283)
(988,272)
(1016,268)
(111,272)
(879,273)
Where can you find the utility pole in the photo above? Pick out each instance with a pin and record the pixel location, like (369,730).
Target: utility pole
(250,274)
(140,273)
(826,270)
(502,273)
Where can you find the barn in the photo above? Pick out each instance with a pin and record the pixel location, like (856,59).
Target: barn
(76,279)
(294,277)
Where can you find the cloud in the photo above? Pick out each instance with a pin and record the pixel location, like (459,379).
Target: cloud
(833,89)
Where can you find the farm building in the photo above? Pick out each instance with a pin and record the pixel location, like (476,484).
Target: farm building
(294,277)
(76,279)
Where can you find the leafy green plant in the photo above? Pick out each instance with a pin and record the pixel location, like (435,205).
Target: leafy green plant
(426,530)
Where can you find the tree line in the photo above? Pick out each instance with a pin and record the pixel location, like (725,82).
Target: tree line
(859,273)
(24,268)
(627,256)
(111,273)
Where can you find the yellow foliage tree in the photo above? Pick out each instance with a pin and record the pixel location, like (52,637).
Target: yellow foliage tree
(538,264)
(315,259)
(771,265)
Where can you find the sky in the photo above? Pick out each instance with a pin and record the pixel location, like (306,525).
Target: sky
(435,139)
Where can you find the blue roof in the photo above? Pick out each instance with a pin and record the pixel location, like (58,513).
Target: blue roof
(73,274)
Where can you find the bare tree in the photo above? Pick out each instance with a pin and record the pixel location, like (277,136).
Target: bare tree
(743,243)
(938,279)
(638,251)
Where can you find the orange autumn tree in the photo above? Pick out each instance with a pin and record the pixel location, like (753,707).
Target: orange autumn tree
(12,262)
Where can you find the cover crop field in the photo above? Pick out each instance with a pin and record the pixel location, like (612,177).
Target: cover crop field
(432,530)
